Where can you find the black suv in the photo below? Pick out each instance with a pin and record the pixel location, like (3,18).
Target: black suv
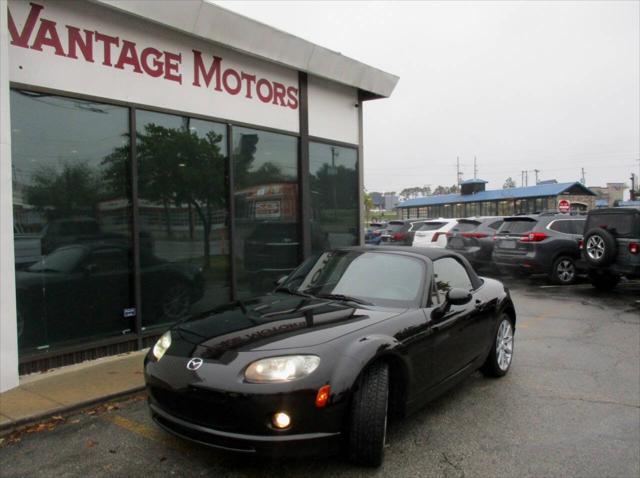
(545,243)
(611,246)
(473,238)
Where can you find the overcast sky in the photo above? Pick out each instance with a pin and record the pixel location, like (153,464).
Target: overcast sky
(520,85)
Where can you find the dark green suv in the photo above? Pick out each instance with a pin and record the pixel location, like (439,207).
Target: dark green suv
(611,245)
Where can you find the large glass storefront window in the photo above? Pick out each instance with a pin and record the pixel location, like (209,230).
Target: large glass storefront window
(267,237)
(184,258)
(72,220)
(334,196)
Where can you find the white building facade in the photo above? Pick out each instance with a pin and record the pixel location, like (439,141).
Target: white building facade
(161,159)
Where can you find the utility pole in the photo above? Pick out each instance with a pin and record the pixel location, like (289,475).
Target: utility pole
(459,173)
(582,180)
(522,178)
(632,193)
(475,168)
(536,171)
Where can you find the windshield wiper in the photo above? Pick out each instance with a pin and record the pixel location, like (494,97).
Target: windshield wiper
(345,298)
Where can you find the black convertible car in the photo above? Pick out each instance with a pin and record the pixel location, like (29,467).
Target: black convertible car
(337,347)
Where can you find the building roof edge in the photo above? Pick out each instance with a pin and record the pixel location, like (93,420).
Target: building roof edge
(216,24)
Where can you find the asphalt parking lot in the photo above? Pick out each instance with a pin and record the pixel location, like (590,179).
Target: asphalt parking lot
(570,406)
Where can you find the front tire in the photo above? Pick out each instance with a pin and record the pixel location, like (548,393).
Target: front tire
(368,419)
(501,355)
(563,271)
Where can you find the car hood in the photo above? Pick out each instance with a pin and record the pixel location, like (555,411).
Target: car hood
(28,279)
(276,321)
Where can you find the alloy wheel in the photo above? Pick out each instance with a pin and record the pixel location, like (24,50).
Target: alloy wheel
(566,270)
(595,248)
(504,345)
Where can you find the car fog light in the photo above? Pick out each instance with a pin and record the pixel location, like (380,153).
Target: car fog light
(281,420)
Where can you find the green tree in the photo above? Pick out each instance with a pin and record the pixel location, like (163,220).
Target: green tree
(368,204)
(509,183)
(176,166)
(74,189)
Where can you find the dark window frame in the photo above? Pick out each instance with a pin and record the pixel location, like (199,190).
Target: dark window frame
(140,336)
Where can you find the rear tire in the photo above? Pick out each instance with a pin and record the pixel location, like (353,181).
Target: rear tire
(368,419)
(603,281)
(500,357)
(563,271)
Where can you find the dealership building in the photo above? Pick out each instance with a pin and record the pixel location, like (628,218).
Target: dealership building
(160,159)
(474,200)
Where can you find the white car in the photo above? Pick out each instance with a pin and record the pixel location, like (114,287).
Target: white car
(433,233)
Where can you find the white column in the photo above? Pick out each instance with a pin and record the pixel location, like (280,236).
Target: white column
(8,328)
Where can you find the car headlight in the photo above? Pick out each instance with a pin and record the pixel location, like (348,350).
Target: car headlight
(161,346)
(281,369)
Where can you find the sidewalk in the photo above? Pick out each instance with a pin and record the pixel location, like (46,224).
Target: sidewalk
(75,386)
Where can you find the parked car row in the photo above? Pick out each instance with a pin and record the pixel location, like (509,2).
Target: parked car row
(547,243)
(543,244)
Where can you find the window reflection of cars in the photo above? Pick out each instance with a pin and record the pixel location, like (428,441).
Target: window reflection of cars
(272,250)
(80,230)
(87,289)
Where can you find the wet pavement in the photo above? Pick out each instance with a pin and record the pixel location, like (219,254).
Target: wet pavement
(570,406)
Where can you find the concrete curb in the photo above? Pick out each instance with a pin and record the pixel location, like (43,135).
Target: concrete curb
(11,426)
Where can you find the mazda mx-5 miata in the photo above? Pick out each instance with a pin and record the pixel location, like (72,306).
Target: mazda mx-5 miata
(349,338)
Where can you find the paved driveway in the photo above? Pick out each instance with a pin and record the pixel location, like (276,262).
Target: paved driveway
(570,406)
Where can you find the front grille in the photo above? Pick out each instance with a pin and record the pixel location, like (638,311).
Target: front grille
(206,408)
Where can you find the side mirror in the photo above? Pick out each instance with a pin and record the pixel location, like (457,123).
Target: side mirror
(458,296)
(453,297)
(281,280)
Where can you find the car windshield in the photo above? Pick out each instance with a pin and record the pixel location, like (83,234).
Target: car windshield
(379,278)
(62,260)
(517,226)
(431,226)
(395,226)
(466,226)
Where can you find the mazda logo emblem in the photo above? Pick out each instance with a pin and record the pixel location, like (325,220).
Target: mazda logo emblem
(194,364)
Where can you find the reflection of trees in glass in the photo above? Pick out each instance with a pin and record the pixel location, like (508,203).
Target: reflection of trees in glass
(335,188)
(243,159)
(176,166)
(72,190)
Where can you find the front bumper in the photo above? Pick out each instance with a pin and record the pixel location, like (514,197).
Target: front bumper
(279,445)
(212,407)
